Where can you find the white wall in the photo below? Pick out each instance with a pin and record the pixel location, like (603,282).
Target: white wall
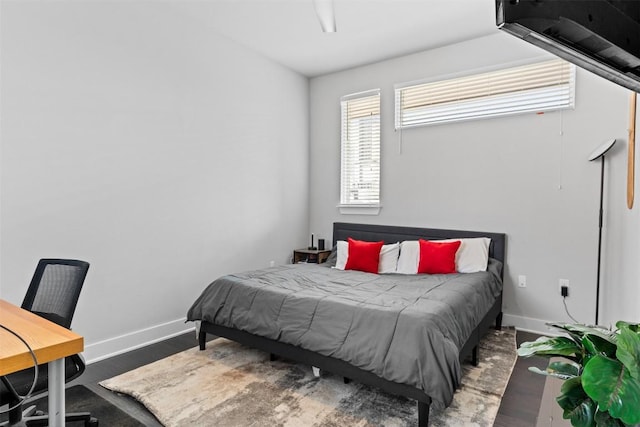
(527,176)
(136,139)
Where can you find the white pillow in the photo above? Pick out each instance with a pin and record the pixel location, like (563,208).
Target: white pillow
(387,261)
(343,254)
(472,256)
(388,258)
(409,257)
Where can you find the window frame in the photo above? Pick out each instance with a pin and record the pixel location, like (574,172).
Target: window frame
(464,104)
(370,206)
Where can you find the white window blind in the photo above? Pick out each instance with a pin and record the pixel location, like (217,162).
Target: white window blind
(360,168)
(544,86)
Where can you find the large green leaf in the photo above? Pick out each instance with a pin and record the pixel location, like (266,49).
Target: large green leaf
(564,327)
(561,370)
(550,373)
(603,419)
(595,344)
(549,347)
(581,330)
(564,368)
(635,327)
(629,351)
(611,385)
(577,405)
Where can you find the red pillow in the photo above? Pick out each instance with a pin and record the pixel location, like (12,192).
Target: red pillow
(363,256)
(438,258)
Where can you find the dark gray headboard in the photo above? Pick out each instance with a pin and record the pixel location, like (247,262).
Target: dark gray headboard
(392,234)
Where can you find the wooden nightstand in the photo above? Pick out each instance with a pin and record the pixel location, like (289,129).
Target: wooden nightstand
(310,255)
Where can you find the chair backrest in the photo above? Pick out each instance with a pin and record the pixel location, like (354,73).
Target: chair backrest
(55,289)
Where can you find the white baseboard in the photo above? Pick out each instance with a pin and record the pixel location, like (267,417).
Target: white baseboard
(528,324)
(101,350)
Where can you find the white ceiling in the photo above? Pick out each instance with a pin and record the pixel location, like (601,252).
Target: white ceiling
(288,31)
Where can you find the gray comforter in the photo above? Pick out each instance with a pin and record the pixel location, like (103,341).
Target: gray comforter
(404,328)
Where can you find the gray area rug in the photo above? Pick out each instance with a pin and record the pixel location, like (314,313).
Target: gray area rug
(232,385)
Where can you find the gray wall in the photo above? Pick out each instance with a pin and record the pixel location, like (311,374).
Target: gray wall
(527,176)
(134,138)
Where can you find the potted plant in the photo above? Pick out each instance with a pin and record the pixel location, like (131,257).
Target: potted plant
(601,372)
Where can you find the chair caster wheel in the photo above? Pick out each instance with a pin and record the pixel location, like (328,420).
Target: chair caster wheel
(92,422)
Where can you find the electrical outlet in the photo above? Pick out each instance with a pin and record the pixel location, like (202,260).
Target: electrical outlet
(522,281)
(563,283)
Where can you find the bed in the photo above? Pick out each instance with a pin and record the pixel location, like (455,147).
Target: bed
(403,333)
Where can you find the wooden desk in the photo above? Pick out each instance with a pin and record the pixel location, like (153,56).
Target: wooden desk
(50,342)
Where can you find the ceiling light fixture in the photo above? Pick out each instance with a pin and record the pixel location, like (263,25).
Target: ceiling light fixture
(326,15)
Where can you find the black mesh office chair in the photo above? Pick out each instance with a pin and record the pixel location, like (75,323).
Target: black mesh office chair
(52,294)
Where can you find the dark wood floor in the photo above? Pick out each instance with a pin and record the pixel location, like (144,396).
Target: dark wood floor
(519,408)
(521,401)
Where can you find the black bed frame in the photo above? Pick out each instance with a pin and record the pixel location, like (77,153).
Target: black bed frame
(388,234)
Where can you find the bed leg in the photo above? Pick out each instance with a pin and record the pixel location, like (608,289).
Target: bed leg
(423,414)
(316,371)
(202,339)
(474,356)
(272,357)
(499,321)
(346,380)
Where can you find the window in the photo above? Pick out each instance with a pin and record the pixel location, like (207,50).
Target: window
(543,86)
(360,153)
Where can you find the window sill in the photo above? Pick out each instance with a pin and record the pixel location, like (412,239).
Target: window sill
(359,209)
